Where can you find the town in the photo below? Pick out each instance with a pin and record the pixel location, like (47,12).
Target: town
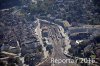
(35,31)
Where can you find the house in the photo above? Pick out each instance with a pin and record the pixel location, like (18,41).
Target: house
(79,36)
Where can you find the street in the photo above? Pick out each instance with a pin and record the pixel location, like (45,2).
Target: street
(57,40)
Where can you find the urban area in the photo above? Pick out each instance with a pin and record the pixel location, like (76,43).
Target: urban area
(32,32)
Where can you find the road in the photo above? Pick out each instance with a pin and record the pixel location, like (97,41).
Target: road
(38,31)
(56,38)
(58,41)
